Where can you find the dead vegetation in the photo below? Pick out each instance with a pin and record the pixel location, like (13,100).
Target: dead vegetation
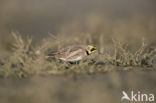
(27,60)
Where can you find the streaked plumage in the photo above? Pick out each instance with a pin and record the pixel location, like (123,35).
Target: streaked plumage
(73,53)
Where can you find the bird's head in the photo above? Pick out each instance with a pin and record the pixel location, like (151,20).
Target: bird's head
(90,49)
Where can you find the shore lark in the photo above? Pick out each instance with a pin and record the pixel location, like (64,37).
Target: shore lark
(73,53)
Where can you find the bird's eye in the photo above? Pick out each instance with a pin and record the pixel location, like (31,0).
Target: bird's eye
(93,49)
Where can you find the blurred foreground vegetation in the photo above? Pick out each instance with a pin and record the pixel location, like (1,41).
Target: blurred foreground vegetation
(106,87)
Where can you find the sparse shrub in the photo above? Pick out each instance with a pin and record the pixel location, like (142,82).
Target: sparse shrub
(28,60)
(124,57)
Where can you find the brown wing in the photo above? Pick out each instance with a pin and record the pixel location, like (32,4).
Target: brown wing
(65,52)
(76,48)
(56,53)
(75,56)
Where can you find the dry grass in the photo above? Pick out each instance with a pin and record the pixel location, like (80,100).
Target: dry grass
(123,31)
(27,60)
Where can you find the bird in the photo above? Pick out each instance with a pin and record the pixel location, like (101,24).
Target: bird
(73,53)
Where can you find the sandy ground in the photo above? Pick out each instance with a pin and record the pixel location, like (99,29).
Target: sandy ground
(98,88)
